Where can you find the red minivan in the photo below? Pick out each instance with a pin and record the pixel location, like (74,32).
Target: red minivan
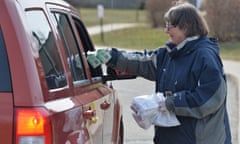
(49,94)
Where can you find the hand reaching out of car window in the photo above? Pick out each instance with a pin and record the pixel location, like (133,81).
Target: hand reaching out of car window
(101,56)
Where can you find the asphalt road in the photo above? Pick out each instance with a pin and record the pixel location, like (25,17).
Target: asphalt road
(127,89)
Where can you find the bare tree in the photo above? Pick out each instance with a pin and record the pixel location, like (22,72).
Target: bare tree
(223,18)
(155,11)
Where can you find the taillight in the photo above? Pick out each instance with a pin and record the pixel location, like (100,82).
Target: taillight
(32,126)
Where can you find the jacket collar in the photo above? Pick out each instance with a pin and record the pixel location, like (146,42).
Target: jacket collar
(170,46)
(173,49)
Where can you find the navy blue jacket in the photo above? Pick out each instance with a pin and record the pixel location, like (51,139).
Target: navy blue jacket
(192,76)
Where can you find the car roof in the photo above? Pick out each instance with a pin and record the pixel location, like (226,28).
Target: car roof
(43,2)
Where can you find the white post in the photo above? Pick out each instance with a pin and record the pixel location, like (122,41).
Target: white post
(100,10)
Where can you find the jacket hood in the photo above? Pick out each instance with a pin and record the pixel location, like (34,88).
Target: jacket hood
(189,45)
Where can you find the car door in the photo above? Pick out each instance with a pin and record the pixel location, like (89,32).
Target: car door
(109,127)
(92,99)
(96,98)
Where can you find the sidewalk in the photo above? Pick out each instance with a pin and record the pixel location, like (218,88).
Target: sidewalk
(109,27)
(232,69)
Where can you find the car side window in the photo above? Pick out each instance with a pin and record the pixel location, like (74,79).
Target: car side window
(71,46)
(5,80)
(47,48)
(87,45)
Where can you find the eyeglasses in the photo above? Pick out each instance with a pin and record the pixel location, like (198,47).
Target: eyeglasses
(169,26)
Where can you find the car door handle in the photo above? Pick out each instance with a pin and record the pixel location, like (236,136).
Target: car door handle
(105,105)
(88,114)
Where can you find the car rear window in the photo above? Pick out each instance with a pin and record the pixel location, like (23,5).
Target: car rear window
(5,80)
(48,51)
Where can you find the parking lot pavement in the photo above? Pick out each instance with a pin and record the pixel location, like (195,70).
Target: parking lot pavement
(232,69)
(233,106)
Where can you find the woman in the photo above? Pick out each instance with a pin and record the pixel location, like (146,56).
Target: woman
(189,71)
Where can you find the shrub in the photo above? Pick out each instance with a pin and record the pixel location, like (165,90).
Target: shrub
(223,18)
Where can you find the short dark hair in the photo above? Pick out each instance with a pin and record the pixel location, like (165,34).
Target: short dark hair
(188,18)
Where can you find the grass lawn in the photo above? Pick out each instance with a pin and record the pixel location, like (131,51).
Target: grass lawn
(140,37)
(230,50)
(144,37)
(90,18)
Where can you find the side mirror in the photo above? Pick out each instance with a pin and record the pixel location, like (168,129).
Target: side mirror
(113,74)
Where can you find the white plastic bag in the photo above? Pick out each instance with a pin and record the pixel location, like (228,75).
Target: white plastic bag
(143,123)
(146,111)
